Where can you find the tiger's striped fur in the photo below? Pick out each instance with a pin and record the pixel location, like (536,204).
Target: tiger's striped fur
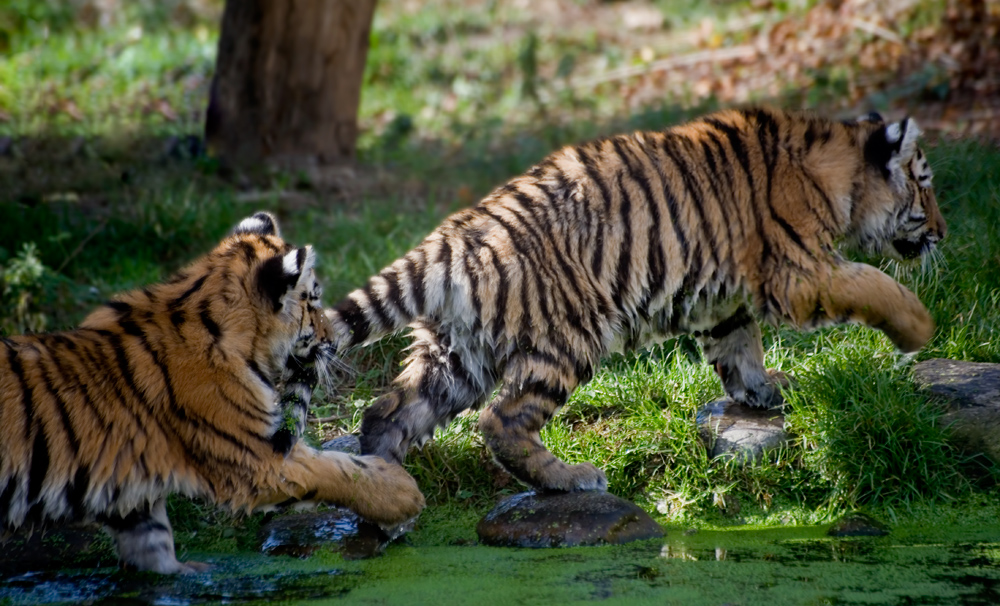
(175,389)
(704,228)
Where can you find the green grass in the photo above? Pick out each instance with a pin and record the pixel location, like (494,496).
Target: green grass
(117,213)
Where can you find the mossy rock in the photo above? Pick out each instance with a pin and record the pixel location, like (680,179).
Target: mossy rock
(570,519)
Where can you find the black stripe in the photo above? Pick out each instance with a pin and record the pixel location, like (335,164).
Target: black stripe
(246,249)
(121,307)
(673,210)
(394,296)
(210,325)
(271,246)
(27,397)
(39,465)
(375,304)
(739,150)
(655,261)
(415,281)
(178,411)
(474,287)
(693,189)
(353,316)
(176,303)
(540,388)
(251,411)
(625,254)
(594,175)
(537,258)
(826,201)
(500,296)
(76,492)
(738,320)
(98,369)
(60,404)
(5,498)
(731,216)
(70,375)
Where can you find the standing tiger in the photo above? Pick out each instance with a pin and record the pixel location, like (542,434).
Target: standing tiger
(704,229)
(172,389)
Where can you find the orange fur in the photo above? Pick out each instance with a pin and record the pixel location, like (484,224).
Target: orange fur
(705,229)
(174,389)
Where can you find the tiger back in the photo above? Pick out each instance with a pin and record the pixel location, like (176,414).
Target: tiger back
(706,228)
(175,389)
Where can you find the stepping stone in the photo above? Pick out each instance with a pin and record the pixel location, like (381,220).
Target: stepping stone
(972,391)
(565,519)
(857,524)
(302,534)
(736,430)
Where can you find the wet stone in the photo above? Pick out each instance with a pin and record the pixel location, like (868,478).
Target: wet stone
(857,524)
(972,393)
(301,535)
(563,519)
(736,430)
(348,443)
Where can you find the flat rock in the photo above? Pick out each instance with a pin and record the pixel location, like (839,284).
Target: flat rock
(736,430)
(565,519)
(857,524)
(972,393)
(302,534)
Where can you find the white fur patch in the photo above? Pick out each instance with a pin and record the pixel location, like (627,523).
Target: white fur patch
(251,225)
(893,132)
(291,263)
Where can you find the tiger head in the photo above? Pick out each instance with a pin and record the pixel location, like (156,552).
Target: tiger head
(289,313)
(897,213)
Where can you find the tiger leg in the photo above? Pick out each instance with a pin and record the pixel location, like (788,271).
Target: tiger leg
(437,384)
(856,292)
(145,540)
(375,489)
(734,348)
(532,392)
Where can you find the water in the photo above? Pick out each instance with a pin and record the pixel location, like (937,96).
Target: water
(958,566)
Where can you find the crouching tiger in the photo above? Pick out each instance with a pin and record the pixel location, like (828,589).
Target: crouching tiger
(172,389)
(705,229)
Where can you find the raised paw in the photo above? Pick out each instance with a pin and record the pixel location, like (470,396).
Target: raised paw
(911,331)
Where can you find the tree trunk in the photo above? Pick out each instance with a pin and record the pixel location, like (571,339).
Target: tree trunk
(288,81)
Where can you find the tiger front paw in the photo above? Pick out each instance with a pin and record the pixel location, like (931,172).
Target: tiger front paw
(388,495)
(768,393)
(912,332)
(563,477)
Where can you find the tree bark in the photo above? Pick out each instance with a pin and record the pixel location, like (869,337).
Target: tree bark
(287,83)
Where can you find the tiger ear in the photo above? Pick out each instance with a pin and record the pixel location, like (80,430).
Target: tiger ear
(873,117)
(891,147)
(279,276)
(261,224)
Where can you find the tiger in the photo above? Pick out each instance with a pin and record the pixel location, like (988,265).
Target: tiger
(704,229)
(177,388)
